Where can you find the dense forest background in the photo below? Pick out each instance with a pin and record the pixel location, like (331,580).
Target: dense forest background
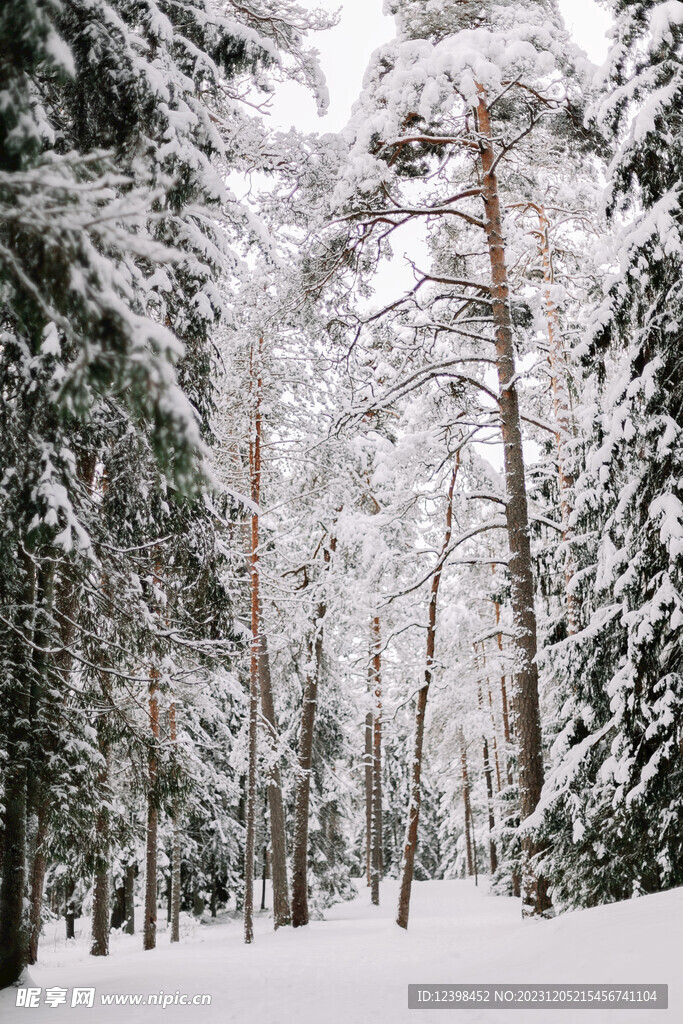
(308,578)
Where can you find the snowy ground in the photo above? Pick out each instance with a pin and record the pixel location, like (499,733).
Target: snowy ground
(354,967)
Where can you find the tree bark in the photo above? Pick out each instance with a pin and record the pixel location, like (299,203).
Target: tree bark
(368,791)
(488,773)
(303,783)
(264,854)
(38,884)
(70,910)
(526,706)
(13,926)
(376,858)
(150,928)
(41,744)
(175,851)
(129,887)
(282,914)
(255,478)
(469,838)
(118,910)
(420,711)
(100,903)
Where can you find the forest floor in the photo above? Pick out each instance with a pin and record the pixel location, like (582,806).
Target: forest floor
(355,966)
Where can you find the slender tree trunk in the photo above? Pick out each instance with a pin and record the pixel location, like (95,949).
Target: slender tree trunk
(150,929)
(13,925)
(420,712)
(100,903)
(175,849)
(488,771)
(303,783)
(282,914)
(13,931)
(376,859)
(100,913)
(507,733)
(118,910)
(255,476)
(507,730)
(40,747)
(493,856)
(526,707)
(467,805)
(264,866)
(494,740)
(70,910)
(129,887)
(38,884)
(368,790)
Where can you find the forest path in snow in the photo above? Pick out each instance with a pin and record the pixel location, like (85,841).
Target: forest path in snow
(354,967)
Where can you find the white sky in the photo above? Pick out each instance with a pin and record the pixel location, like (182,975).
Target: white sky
(345,51)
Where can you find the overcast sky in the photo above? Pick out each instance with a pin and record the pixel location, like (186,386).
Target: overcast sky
(345,51)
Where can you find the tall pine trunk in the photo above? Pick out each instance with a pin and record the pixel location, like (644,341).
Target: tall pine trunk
(129,887)
(469,831)
(254,662)
(376,858)
(368,788)
(175,842)
(13,925)
(303,783)
(38,883)
(488,774)
(282,914)
(420,711)
(150,927)
(41,741)
(100,902)
(526,706)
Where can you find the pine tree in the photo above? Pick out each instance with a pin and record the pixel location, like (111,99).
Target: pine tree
(614,811)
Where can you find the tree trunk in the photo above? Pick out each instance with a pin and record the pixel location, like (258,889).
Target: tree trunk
(526,708)
(488,770)
(282,914)
(368,791)
(468,807)
(488,773)
(129,887)
(499,783)
(13,926)
(264,866)
(255,477)
(174,915)
(303,782)
(100,912)
(100,903)
(377,832)
(41,745)
(118,910)
(70,910)
(38,884)
(303,789)
(150,929)
(420,711)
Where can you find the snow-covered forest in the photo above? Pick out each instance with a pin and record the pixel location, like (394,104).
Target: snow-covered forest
(341,476)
